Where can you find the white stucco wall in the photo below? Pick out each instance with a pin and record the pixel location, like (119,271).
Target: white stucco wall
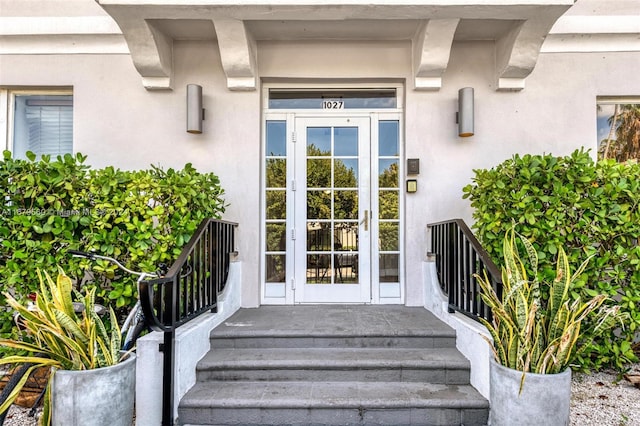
(118,122)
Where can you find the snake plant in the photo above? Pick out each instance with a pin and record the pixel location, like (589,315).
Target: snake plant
(536,325)
(58,337)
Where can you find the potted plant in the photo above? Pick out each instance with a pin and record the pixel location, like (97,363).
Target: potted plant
(91,380)
(535,332)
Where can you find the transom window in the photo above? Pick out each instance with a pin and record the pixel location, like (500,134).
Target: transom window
(333,99)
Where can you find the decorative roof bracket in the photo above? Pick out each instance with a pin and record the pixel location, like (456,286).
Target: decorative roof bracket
(151,52)
(517,51)
(431,51)
(237,52)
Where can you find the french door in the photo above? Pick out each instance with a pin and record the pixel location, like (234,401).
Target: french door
(332,208)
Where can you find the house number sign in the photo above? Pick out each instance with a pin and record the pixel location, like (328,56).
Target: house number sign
(332,104)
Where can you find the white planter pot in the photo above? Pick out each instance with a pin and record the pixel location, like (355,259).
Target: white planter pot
(100,397)
(545,398)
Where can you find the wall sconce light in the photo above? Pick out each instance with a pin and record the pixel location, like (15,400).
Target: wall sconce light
(464,116)
(195,112)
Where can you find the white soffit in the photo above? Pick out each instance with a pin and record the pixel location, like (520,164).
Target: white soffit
(142,23)
(146,29)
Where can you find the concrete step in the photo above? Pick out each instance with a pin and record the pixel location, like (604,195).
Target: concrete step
(333,365)
(332,403)
(442,365)
(334,341)
(328,326)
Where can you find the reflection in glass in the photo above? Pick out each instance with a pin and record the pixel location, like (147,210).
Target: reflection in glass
(319,269)
(276,204)
(276,173)
(346,236)
(388,177)
(332,256)
(319,237)
(345,204)
(389,236)
(388,134)
(345,173)
(276,237)
(276,138)
(341,268)
(276,268)
(319,204)
(388,204)
(389,268)
(345,265)
(319,173)
(618,131)
(367,99)
(346,141)
(318,141)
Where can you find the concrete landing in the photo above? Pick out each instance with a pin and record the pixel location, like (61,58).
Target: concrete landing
(334,320)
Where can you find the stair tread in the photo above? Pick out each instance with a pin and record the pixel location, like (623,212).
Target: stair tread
(237,331)
(333,358)
(370,395)
(333,321)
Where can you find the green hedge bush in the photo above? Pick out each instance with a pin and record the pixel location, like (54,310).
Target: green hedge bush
(142,218)
(591,209)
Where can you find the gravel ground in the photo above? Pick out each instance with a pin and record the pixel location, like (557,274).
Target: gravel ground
(604,399)
(598,399)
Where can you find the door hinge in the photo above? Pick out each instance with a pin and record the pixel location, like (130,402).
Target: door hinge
(293,137)
(293,284)
(293,234)
(293,185)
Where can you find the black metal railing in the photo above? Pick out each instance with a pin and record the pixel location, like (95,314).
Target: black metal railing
(189,288)
(459,258)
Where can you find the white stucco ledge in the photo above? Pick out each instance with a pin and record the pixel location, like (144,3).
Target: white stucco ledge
(427,83)
(510,84)
(21,35)
(469,333)
(192,343)
(157,83)
(594,34)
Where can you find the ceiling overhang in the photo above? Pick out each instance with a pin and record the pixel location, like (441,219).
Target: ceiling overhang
(518,27)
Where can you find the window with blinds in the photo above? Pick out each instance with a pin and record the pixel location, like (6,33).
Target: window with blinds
(43,124)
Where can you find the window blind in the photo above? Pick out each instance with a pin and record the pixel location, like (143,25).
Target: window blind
(43,125)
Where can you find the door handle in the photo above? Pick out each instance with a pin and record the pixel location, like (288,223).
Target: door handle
(365,221)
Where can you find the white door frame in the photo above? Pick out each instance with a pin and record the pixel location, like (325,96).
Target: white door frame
(331,287)
(380,292)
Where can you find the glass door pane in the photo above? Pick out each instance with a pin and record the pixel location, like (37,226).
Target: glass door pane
(275,197)
(388,203)
(331,203)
